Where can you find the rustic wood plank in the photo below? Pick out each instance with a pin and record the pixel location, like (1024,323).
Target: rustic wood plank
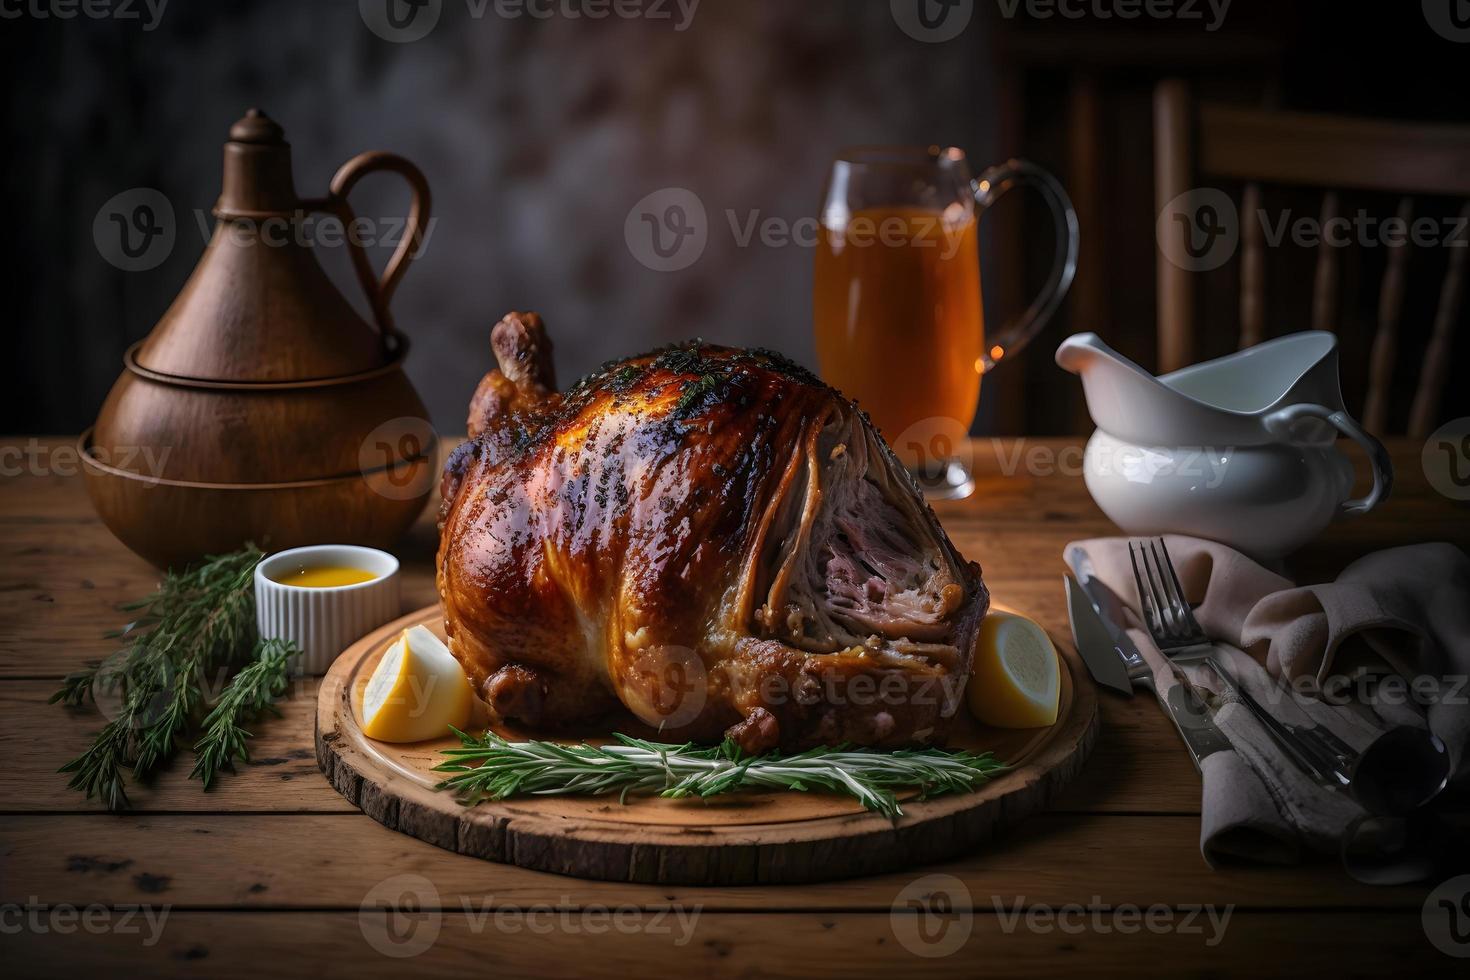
(1137,765)
(550,942)
(41,480)
(61,586)
(332,861)
(59,592)
(36,738)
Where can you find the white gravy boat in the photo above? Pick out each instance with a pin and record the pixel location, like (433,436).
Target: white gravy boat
(1238,449)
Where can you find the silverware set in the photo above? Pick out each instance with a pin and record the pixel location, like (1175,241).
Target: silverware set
(1401,770)
(1172,626)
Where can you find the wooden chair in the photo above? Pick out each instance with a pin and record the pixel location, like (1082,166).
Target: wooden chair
(1258,147)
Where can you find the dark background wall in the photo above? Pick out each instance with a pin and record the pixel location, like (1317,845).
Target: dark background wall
(539,135)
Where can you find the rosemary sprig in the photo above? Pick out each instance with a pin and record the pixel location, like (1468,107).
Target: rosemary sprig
(490,767)
(98,771)
(694,392)
(198,625)
(253,690)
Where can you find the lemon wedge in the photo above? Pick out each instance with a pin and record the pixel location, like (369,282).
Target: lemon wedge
(1016,681)
(417,691)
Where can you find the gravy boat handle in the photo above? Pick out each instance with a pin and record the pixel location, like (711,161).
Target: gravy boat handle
(1282,421)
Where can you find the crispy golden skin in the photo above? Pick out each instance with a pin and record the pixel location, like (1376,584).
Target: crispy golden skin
(711,537)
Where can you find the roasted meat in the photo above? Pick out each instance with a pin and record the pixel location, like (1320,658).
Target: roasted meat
(710,536)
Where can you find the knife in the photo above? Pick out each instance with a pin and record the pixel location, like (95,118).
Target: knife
(1097,640)
(1105,659)
(1105,602)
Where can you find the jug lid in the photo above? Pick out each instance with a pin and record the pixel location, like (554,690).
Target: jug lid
(258,307)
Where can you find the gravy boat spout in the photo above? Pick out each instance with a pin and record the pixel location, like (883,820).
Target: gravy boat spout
(1264,419)
(1225,402)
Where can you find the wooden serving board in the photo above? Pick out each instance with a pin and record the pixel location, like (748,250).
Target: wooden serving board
(739,839)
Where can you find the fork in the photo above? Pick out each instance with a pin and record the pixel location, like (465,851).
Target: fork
(1172,626)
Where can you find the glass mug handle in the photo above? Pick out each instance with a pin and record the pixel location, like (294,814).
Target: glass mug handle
(988,188)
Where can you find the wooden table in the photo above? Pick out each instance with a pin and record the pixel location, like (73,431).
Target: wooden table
(271,871)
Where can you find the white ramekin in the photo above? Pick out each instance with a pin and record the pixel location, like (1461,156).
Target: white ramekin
(324,622)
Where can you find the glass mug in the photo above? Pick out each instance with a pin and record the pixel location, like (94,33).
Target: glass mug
(896,305)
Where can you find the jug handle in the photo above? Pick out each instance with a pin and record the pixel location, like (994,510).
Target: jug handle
(379,289)
(988,188)
(1280,422)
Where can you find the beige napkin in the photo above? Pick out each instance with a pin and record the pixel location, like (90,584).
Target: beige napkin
(1409,607)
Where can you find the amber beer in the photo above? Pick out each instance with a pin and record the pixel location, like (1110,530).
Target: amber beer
(898,321)
(896,302)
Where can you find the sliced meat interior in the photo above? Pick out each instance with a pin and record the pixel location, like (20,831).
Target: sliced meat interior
(857,563)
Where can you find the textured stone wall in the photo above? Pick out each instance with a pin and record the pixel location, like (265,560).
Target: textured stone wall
(538,136)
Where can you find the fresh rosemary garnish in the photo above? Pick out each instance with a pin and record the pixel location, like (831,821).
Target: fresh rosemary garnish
(624,379)
(490,767)
(250,692)
(199,626)
(683,358)
(693,393)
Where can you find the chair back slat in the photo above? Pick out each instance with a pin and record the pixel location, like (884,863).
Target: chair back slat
(1252,269)
(1197,146)
(1324,284)
(1240,143)
(1384,355)
(1174,286)
(1425,411)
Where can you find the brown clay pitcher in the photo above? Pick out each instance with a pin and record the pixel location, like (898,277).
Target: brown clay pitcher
(262,407)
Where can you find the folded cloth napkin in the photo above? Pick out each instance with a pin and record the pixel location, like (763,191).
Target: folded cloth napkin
(1406,612)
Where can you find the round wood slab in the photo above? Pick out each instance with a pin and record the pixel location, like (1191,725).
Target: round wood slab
(740,839)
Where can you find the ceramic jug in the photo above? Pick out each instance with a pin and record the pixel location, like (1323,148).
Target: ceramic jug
(262,407)
(1240,449)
